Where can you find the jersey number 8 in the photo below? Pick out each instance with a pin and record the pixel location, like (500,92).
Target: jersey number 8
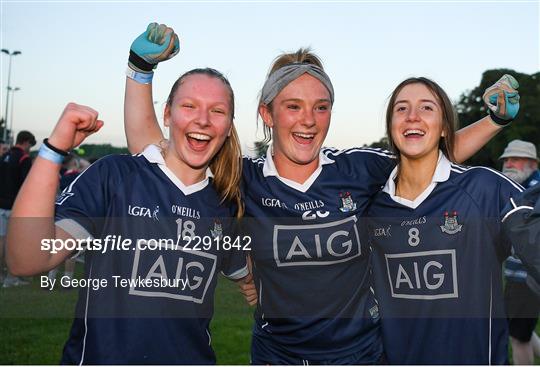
(414,237)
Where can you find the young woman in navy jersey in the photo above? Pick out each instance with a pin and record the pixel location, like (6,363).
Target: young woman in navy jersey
(303,206)
(143,304)
(438,247)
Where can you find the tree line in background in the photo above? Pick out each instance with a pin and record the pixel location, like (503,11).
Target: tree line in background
(99,150)
(471,108)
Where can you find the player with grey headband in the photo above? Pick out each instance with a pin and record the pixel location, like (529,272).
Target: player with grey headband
(286,74)
(312,277)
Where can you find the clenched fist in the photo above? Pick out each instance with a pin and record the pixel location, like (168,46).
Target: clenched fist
(502,99)
(158,43)
(76,123)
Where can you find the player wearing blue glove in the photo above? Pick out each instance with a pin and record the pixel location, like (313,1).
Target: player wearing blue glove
(156,44)
(154,303)
(437,264)
(502,100)
(324,193)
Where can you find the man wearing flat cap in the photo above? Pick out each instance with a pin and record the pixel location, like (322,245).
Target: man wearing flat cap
(520,163)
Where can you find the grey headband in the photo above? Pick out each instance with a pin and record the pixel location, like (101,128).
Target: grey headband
(280,78)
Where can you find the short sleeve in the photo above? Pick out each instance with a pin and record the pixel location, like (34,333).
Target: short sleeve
(379,166)
(370,167)
(521,225)
(81,206)
(234,264)
(507,191)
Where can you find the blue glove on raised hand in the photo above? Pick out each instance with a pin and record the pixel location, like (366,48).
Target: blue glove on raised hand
(156,44)
(502,100)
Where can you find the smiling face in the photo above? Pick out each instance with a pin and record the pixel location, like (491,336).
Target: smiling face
(200,118)
(299,117)
(417,121)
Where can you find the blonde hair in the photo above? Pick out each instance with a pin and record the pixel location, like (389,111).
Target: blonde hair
(226,165)
(302,55)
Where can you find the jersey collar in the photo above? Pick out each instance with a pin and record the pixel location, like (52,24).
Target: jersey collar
(152,153)
(441,174)
(269,169)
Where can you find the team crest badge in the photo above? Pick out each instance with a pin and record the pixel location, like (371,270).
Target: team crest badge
(451,225)
(347,203)
(218,229)
(374,312)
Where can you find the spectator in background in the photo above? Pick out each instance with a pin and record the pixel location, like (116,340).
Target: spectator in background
(4,147)
(72,167)
(14,166)
(520,163)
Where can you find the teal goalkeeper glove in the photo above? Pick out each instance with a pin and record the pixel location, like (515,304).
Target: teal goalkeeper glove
(158,43)
(502,100)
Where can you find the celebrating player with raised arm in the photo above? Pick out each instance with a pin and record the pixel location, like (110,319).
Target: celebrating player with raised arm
(311,271)
(437,239)
(156,303)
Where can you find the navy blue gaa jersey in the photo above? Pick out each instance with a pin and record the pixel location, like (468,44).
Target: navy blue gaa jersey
(437,267)
(311,268)
(137,318)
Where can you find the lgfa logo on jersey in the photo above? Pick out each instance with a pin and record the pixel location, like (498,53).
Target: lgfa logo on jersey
(141,211)
(451,225)
(218,229)
(347,203)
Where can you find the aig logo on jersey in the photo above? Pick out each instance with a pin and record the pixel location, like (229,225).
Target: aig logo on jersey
(423,275)
(188,275)
(316,244)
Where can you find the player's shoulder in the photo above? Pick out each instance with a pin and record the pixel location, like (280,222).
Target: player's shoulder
(118,163)
(367,153)
(253,162)
(481,179)
(252,167)
(363,162)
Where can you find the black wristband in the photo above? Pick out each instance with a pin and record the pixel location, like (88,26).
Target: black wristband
(55,149)
(139,62)
(499,121)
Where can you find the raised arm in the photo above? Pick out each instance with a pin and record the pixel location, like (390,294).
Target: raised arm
(502,99)
(32,217)
(472,138)
(140,122)
(156,44)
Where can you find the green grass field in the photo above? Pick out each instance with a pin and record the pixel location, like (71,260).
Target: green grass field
(35,323)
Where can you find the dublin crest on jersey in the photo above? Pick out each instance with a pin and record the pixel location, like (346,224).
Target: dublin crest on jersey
(347,203)
(374,312)
(451,225)
(218,229)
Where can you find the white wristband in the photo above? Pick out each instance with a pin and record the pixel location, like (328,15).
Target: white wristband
(141,78)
